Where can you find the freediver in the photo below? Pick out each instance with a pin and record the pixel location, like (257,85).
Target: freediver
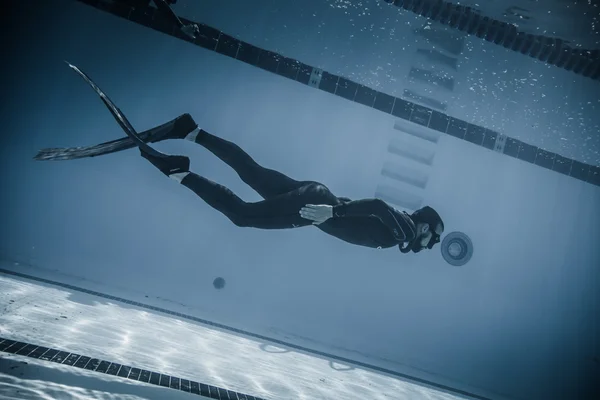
(287,203)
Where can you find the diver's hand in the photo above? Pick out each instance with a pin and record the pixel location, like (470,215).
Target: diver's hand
(317,213)
(191,30)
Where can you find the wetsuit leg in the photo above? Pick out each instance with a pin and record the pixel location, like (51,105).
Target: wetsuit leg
(266,182)
(164,7)
(277,212)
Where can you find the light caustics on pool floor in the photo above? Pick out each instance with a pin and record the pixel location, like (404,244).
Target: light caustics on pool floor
(84,324)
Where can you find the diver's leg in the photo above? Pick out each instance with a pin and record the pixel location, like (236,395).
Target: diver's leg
(279,212)
(217,196)
(266,182)
(168,165)
(163,6)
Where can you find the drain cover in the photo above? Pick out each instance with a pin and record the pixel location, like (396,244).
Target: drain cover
(457,248)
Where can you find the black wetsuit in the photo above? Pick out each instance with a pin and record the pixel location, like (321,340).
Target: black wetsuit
(163,6)
(369,222)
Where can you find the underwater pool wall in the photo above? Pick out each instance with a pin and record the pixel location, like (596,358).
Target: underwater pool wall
(531,284)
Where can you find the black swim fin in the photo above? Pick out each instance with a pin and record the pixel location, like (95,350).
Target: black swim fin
(177,128)
(119,116)
(167,164)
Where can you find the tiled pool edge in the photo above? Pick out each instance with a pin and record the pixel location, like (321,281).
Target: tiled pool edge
(120,370)
(405,377)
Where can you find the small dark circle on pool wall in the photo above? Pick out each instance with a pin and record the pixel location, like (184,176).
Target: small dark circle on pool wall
(457,248)
(219,283)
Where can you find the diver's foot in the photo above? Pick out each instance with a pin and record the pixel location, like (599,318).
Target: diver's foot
(168,165)
(184,128)
(191,30)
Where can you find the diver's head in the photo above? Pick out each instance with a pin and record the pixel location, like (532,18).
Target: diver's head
(429,227)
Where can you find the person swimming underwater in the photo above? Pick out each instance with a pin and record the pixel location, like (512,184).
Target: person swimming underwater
(287,203)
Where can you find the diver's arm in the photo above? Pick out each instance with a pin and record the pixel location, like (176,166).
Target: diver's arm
(399,223)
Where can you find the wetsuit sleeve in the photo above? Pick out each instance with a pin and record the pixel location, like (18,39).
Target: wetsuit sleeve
(398,223)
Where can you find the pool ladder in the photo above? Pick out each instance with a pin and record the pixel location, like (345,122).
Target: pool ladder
(550,50)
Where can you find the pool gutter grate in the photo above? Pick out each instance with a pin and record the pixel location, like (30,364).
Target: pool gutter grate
(120,370)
